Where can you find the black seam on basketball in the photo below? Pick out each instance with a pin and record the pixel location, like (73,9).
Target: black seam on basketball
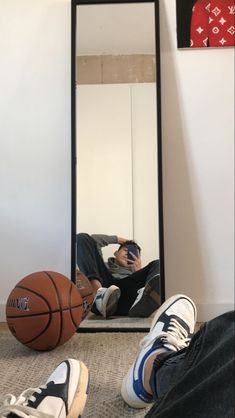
(44,313)
(25,316)
(35,293)
(70,308)
(89,294)
(60,310)
(49,313)
(71,311)
(41,333)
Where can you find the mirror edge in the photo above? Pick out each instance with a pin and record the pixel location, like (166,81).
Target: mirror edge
(159,149)
(74,4)
(73,140)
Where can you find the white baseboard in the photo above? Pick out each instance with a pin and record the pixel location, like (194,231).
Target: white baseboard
(2,312)
(206,311)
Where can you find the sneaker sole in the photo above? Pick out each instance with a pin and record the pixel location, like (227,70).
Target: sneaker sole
(128,393)
(149,302)
(110,300)
(80,396)
(127,390)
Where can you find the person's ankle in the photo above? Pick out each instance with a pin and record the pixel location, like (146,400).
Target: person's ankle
(147,373)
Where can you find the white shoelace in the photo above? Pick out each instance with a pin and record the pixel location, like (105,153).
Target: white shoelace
(12,404)
(175,338)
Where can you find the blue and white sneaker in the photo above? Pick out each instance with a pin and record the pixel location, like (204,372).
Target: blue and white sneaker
(63,396)
(172,329)
(106,301)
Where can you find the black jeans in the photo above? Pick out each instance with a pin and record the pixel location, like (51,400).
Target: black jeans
(91,263)
(197,382)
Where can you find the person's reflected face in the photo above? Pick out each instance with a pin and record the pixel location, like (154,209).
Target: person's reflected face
(121,257)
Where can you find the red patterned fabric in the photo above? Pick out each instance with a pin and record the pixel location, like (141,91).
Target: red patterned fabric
(213,23)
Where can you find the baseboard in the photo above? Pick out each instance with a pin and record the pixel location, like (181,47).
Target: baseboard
(207,311)
(2,312)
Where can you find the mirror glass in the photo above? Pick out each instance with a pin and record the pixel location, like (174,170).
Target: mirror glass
(116,126)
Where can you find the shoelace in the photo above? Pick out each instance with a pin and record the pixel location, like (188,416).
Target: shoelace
(175,338)
(12,404)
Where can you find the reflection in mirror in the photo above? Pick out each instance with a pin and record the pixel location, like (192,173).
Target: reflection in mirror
(117,161)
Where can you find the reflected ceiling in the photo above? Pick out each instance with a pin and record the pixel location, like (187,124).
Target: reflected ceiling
(97,37)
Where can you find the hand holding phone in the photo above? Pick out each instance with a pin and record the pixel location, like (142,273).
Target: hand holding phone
(132,249)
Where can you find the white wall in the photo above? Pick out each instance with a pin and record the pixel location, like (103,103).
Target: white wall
(197,93)
(145,170)
(104,172)
(116,138)
(34,139)
(198,135)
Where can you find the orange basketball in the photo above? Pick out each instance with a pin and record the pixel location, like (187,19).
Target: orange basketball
(44,310)
(84,286)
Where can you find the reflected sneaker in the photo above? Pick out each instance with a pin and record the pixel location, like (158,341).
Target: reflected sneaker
(148,299)
(106,301)
(172,329)
(63,395)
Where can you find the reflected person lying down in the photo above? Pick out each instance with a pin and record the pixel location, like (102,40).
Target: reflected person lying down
(122,286)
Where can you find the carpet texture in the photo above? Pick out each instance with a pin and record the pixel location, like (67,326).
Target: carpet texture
(107,356)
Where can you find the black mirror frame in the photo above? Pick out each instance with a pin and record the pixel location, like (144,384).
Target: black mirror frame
(74,5)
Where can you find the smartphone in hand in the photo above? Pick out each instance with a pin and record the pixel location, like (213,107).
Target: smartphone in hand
(132,248)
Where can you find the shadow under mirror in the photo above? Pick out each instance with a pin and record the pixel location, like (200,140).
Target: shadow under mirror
(117,163)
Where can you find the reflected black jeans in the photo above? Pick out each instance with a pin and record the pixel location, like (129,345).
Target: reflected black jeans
(91,263)
(197,382)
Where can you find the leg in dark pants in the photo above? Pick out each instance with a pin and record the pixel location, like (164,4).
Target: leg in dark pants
(91,263)
(130,285)
(89,260)
(197,382)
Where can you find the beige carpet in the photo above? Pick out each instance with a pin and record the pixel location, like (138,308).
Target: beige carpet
(107,355)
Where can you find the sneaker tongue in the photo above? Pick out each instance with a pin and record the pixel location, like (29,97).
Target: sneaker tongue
(155,340)
(156,333)
(171,333)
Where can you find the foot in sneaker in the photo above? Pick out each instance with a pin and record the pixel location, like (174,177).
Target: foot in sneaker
(148,299)
(106,301)
(63,395)
(172,329)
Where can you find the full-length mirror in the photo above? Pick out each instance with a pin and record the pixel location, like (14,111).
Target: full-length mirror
(117,207)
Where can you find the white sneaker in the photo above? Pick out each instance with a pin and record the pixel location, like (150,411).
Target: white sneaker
(63,395)
(172,329)
(106,301)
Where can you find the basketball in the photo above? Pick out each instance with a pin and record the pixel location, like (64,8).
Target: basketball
(44,310)
(84,286)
